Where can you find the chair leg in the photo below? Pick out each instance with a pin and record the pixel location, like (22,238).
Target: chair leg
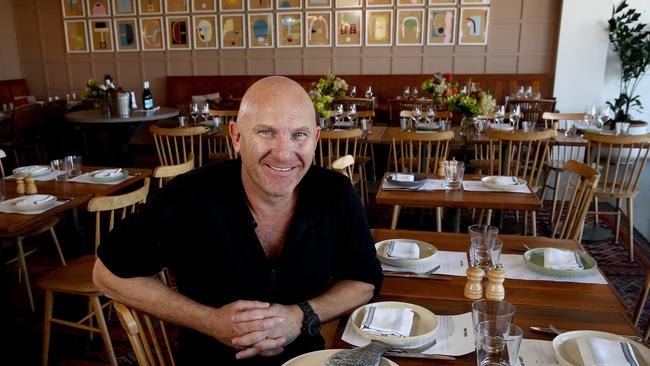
(47,326)
(618,219)
(23,267)
(101,323)
(595,211)
(393,224)
(534,219)
(642,299)
(488,217)
(439,219)
(630,226)
(555,193)
(56,244)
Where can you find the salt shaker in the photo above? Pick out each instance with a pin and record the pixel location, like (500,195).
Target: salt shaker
(30,185)
(20,184)
(473,287)
(495,289)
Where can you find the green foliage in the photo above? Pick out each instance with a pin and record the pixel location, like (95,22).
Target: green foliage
(324,91)
(440,86)
(471,105)
(630,39)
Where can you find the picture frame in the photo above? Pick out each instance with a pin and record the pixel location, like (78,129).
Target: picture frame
(402,3)
(254,5)
(150,7)
(318,29)
(349,28)
(101,35)
(152,34)
(379,3)
(179,33)
(318,4)
(76,36)
(177,6)
(379,28)
(126,34)
(443,2)
(409,27)
(473,25)
(231,5)
(260,30)
(441,27)
(204,6)
(348,4)
(205,32)
(98,8)
(288,4)
(124,8)
(73,10)
(232,31)
(474,2)
(289,29)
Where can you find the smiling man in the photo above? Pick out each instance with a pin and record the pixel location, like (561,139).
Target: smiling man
(263,249)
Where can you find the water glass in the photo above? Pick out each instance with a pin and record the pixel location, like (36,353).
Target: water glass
(528,126)
(622,128)
(497,345)
(404,124)
(500,312)
(73,165)
(482,239)
(59,167)
(218,122)
(454,174)
(495,251)
(182,121)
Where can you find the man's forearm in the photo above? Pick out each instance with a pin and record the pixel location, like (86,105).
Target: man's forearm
(342,297)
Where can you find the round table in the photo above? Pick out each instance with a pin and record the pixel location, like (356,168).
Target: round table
(96,116)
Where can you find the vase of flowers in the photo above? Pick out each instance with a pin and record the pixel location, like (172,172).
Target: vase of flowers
(324,91)
(470,106)
(105,95)
(440,86)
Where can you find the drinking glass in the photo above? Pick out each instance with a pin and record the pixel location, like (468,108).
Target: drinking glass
(482,239)
(353,91)
(182,120)
(497,344)
(407,92)
(515,114)
(501,312)
(352,113)
(73,165)
(528,126)
(417,114)
(338,113)
(58,166)
(431,115)
(590,115)
(369,92)
(604,114)
(500,114)
(415,92)
(194,111)
(205,111)
(454,174)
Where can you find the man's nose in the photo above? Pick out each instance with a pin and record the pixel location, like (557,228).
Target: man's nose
(283,146)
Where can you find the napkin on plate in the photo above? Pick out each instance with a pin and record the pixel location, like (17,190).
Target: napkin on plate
(504,181)
(109,173)
(403,250)
(606,352)
(562,259)
(388,321)
(404,177)
(35,169)
(37,199)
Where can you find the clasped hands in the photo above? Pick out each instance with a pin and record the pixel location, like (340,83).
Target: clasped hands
(257,328)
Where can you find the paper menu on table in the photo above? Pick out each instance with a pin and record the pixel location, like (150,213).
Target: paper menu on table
(451,263)
(454,335)
(535,352)
(515,268)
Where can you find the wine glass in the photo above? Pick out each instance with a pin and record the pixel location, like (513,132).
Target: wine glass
(353,91)
(590,114)
(431,115)
(338,112)
(369,92)
(407,92)
(604,114)
(500,114)
(352,113)
(194,111)
(205,111)
(515,114)
(415,92)
(416,113)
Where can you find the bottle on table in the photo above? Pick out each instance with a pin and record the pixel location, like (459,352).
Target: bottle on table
(147,97)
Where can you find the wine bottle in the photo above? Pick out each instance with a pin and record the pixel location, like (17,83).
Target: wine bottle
(147,98)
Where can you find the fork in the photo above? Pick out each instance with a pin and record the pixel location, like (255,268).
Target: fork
(419,349)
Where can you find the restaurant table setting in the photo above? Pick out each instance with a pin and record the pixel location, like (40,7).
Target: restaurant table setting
(40,173)
(412,182)
(490,185)
(102,176)
(33,204)
(421,262)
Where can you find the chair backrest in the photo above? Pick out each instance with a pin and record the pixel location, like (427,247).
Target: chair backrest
(124,205)
(532,109)
(26,123)
(561,119)
(419,152)
(564,152)
(395,106)
(174,145)
(363,104)
(518,154)
(344,165)
(219,142)
(620,160)
(335,144)
(2,168)
(579,183)
(148,336)
(165,173)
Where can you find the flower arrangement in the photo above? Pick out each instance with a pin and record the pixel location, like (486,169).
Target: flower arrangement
(324,91)
(441,86)
(471,105)
(99,92)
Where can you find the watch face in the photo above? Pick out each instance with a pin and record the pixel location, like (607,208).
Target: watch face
(313,327)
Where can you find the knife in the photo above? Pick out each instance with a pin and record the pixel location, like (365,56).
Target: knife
(417,275)
(551,331)
(419,355)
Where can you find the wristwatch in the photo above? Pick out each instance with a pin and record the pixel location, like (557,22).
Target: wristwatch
(311,322)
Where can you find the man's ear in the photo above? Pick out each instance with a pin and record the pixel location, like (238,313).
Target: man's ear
(235,135)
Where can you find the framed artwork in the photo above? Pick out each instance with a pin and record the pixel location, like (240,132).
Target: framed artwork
(348,28)
(317,29)
(101,35)
(409,27)
(153,35)
(76,36)
(149,7)
(379,28)
(348,3)
(260,30)
(233,31)
(288,4)
(178,33)
(316,4)
(204,6)
(475,2)
(231,5)
(123,7)
(410,2)
(377,3)
(205,31)
(440,26)
(289,26)
(73,9)
(260,4)
(126,34)
(442,2)
(177,6)
(473,26)
(98,8)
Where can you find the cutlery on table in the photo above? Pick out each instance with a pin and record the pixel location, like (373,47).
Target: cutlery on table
(432,270)
(427,275)
(419,355)
(519,248)
(553,330)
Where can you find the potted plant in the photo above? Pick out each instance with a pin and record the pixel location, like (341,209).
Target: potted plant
(470,106)
(323,92)
(630,40)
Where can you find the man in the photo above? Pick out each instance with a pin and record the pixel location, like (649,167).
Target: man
(263,249)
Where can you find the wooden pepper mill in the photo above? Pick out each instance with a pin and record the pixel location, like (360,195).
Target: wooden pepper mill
(441,169)
(473,287)
(20,184)
(30,185)
(495,290)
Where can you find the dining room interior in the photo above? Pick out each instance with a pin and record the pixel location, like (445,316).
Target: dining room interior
(498,149)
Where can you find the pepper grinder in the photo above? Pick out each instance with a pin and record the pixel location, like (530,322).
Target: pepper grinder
(20,184)
(441,169)
(473,287)
(495,289)
(30,186)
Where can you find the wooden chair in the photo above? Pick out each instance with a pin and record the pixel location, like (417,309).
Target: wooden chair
(519,154)
(559,154)
(151,344)
(395,106)
(164,173)
(580,181)
(175,144)
(419,153)
(26,134)
(344,165)
(333,145)
(75,278)
(533,109)
(219,142)
(639,307)
(621,161)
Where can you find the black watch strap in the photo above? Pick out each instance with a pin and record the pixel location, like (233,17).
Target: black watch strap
(311,322)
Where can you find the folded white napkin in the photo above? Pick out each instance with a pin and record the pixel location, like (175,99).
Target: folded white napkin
(388,321)
(37,199)
(403,177)
(504,181)
(605,352)
(109,173)
(562,259)
(403,250)
(33,169)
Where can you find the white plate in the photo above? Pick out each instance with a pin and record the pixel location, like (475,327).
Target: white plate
(491,182)
(13,203)
(427,253)
(27,170)
(97,175)
(567,353)
(501,126)
(319,357)
(425,324)
(418,180)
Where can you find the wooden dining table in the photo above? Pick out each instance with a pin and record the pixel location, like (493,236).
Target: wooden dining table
(566,305)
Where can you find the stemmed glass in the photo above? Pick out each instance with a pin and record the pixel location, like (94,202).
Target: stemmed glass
(352,113)
(500,114)
(590,114)
(338,112)
(417,113)
(205,111)
(415,92)
(407,92)
(604,114)
(353,91)
(369,92)
(515,114)
(194,112)
(431,115)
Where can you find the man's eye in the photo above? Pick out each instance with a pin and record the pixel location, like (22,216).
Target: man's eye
(299,134)
(265,132)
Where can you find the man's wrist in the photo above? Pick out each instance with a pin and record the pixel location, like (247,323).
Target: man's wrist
(311,322)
